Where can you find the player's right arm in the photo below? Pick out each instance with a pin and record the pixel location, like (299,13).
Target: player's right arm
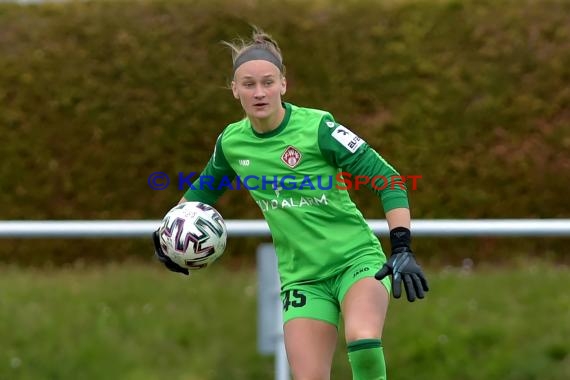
(214,179)
(206,189)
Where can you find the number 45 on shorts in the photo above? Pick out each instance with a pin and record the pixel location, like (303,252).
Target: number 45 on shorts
(293,298)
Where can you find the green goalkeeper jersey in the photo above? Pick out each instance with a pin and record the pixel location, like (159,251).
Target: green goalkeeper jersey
(294,175)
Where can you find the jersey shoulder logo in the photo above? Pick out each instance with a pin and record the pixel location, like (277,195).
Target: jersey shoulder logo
(291,156)
(244,162)
(347,138)
(330,124)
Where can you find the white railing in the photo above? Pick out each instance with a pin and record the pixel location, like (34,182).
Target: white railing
(142,228)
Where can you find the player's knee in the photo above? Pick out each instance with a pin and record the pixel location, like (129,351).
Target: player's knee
(309,369)
(310,375)
(362,333)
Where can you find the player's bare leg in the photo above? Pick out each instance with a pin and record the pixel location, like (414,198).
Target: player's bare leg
(364,310)
(310,346)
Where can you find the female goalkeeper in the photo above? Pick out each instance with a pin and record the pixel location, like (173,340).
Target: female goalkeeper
(330,262)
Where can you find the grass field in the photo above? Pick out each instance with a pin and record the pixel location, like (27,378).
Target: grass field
(137,322)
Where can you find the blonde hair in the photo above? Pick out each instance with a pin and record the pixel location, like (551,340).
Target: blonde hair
(259,41)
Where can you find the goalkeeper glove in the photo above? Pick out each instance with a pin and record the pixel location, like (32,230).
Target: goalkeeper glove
(403,267)
(161,256)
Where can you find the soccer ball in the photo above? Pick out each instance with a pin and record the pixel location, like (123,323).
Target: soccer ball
(193,235)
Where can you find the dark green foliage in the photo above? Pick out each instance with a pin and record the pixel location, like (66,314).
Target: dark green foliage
(472,95)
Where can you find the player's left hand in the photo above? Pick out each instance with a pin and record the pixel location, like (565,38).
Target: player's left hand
(403,268)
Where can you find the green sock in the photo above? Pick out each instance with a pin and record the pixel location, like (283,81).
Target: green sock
(366,358)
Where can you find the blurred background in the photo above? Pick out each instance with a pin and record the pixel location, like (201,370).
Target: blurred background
(95,96)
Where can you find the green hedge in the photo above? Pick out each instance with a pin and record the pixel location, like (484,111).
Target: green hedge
(472,95)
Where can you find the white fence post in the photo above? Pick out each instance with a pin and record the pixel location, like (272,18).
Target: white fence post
(269,311)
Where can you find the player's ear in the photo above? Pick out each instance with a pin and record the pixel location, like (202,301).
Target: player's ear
(283,85)
(234,90)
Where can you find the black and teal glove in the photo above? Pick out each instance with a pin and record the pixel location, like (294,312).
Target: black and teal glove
(403,267)
(161,256)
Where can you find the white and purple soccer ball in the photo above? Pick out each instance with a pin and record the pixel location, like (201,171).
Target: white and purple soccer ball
(193,235)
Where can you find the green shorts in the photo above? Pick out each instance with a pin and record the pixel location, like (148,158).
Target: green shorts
(322,299)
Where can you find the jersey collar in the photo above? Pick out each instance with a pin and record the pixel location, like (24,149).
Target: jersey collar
(279,128)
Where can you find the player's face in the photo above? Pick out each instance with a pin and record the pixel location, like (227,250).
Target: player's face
(259,86)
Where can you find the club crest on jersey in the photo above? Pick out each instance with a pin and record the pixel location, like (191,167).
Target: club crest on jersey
(291,157)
